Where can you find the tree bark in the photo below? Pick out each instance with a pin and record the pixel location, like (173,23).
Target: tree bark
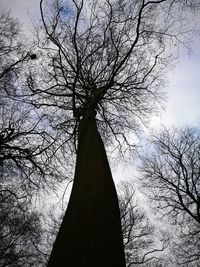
(90,234)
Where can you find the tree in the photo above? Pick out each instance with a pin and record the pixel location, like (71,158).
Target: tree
(101,64)
(28,152)
(11,54)
(171,175)
(29,159)
(20,231)
(138,232)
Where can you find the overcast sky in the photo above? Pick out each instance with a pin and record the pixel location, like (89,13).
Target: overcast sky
(25,10)
(183,106)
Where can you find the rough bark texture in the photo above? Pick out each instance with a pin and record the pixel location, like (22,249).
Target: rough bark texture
(90,234)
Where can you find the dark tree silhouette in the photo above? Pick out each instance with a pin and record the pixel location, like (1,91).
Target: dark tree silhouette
(101,65)
(171,175)
(138,232)
(20,231)
(28,152)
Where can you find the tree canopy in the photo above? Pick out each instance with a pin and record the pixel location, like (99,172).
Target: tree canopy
(171,175)
(110,56)
(104,60)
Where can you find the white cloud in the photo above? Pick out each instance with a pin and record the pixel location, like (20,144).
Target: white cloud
(183,106)
(26,10)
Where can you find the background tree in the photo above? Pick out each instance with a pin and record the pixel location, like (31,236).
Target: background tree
(142,247)
(26,146)
(28,155)
(171,175)
(20,232)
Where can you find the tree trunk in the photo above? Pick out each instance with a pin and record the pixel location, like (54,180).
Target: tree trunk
(90,234)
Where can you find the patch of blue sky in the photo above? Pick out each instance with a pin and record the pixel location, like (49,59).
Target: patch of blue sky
(68,11)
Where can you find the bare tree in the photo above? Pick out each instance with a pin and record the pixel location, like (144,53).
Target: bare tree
(28,151)
(101,63)
(142,246)
(171,174)
(109,56)
(20,231)
(138,232)
(11,54)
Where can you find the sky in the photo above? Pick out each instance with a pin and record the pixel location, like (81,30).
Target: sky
(182,107)
(183,90)
(26,10)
